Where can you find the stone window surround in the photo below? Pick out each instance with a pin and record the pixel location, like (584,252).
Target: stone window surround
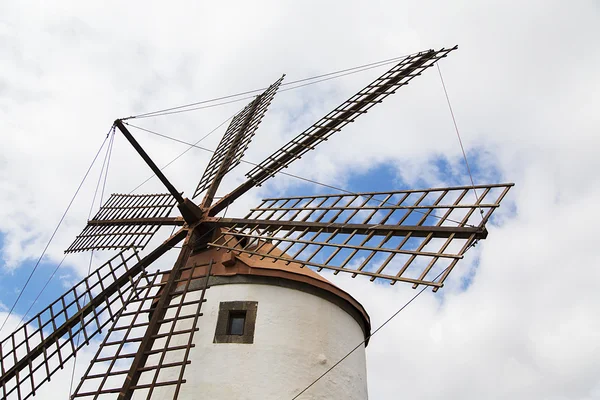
(225,307)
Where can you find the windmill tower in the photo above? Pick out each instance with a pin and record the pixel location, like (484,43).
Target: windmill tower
(244,313)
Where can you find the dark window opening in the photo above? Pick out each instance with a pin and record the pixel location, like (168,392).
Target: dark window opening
(237,320)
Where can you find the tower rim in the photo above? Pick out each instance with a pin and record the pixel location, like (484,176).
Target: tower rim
(229,268)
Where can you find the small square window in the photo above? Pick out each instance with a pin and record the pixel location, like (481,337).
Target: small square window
(237,320)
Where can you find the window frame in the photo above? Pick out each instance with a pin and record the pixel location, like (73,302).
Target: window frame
(226,310)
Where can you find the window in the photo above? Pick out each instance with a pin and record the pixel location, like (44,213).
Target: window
(236,322)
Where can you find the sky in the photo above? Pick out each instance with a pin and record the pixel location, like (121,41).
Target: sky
(518,318)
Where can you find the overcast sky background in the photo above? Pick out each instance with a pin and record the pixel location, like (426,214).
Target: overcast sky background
(518,319)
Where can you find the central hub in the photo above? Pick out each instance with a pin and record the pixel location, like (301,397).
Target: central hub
(203,233)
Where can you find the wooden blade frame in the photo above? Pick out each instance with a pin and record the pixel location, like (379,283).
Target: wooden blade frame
(374,93)
(378,234)
(174,322)
(234,143)
(126,221)
(37,350)
(42,346)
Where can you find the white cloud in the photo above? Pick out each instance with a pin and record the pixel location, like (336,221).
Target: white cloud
(524,87)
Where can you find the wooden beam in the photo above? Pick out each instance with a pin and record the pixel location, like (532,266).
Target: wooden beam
(396,230)
(174,192)
(177,221)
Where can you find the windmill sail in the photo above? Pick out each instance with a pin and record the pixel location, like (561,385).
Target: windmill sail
(161,333)
(42,346)
(234,143)
(397,236)
(126,221)
(374,93)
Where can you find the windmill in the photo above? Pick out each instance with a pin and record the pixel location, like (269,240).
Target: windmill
(237,313)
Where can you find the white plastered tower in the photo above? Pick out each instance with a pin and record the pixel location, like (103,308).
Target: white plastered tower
(296,325)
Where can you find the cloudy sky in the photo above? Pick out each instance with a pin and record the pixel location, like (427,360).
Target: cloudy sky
(525,89)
